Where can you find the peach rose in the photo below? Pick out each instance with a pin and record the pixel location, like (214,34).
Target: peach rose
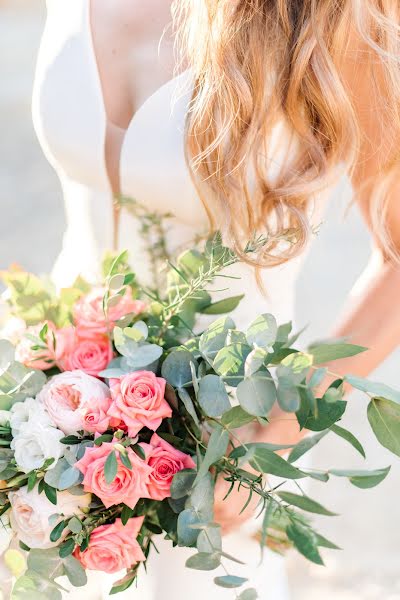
(91,354)
(129,485)
(95,418)
(113,547)
(39,358)
(138,400)
(89,316)
(165,461)
(66,397)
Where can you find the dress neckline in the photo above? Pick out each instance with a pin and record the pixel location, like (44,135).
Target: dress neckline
(102,104)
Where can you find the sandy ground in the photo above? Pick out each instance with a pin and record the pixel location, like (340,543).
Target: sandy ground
(31,223)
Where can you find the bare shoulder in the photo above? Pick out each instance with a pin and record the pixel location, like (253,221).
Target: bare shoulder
(129,17)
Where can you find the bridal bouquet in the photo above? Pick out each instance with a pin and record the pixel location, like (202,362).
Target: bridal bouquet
(117,419)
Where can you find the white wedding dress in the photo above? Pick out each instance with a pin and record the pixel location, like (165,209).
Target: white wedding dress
(70,120)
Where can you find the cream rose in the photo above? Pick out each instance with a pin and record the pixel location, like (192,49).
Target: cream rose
(30,512)
(66,396)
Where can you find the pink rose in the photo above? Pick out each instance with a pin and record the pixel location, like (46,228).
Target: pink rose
(138,400)
(129,485)
(91,354)
(89,316)
(165,461)
(113,547)
(41,358)
(95,418)
(66,398)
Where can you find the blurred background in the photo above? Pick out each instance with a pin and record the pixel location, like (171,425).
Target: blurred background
(31,226)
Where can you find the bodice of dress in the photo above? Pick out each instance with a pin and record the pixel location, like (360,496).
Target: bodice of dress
(70,121)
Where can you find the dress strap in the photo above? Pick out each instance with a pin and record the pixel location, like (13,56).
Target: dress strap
(116,223)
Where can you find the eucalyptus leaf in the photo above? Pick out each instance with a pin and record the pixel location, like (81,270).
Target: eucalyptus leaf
(257,394)
(230,361)
(213,397)
(230,581)
(209,539)
(262,331)
(188,404)
(249,594)
(384,418)
(305,445)
(375,389)
(176,367)
(362,479)
(305,541)
(182,483)
(266,461)
(216,449)
(213,338)
(287,393)
(329,351)
(226,305)
(203,561)
(236,417)
(349,437)
(305,503)
(328,415)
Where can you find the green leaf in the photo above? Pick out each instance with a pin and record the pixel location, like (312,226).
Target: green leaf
(182,483)
(176,367)
(299,364)
(305,445)
(230,581)
(124,583)
(188,404)
(305,503)
(349,437)
(213,397)
(209,539)
(257,394)
(236,417)
(262,331)
(70,440)
(268,511)
(216,448)
(56,533)
(110,467)
(75,525)
(305,542)
(230,361)
(67,548)
(125,460)
(74,571)
(187,535)
(223,306)
(51,493)
(266,461)
(249,594)
(324,543)
(214,337)
(327,416)
(204,561)
(69,477)
(317,377)
(384,418)
(287,394)
(362,479)
(375,389)
(329,351)
(32,481)
(126,514)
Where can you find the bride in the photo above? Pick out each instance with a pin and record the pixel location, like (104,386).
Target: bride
(236,115)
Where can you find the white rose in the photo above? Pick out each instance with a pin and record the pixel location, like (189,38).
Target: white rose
(66,395)
(36,442)
(30,512)
(29,410)
(4,417)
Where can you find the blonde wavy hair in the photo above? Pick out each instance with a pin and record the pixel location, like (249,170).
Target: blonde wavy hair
(258,63)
